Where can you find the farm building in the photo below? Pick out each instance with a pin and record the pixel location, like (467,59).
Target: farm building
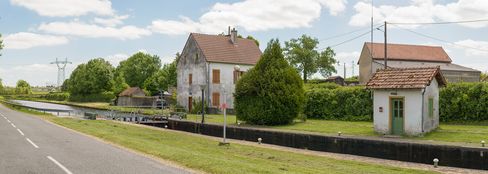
(406,100)
(404,56)
(135,97)
(213,63)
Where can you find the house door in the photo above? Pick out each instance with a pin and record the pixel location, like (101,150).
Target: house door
(397,114)
(190,102)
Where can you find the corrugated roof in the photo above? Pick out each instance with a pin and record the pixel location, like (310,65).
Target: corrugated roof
(409,52)
(405,78)
(219,48)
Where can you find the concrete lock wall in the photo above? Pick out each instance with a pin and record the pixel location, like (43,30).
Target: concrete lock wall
(455,156)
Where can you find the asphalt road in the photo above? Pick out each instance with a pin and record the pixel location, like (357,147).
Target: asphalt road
(30,145)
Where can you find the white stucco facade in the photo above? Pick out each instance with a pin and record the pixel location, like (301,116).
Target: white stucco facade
(416,112)
(226,81)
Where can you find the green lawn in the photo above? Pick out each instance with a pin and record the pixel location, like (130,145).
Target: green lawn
(447,132)
(206,155)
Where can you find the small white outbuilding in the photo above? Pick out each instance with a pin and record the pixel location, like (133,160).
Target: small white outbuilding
(406,100)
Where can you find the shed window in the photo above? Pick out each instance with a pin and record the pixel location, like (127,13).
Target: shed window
(216,76)
(190,79)
(431,107)
(216,99)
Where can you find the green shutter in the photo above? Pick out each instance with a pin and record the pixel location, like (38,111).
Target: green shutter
(431,107)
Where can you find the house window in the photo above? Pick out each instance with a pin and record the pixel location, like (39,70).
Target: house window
(216,99)
(190,79)
(216,76)
(431,107)
(196,57)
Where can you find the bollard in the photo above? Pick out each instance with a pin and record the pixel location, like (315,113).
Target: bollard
(166,126)
(482,143)
(436,162)
(339,133)
(260,140)
(238,123)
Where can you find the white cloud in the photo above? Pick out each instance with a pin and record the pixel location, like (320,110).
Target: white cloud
(473,48)
(422,11)
(111,22)
(252,15)
(76,28)
(64,8)
(25,40)
(116,58)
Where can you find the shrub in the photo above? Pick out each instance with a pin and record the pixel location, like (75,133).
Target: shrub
(343,103)
(57,96)
(197,106)
(310,86)
(103,97)
(272,92)
(464,102)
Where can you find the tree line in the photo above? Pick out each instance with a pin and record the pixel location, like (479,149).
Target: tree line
(98,76)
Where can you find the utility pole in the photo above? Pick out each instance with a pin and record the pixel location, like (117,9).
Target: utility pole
(344,70)
(386,64)
(352,69)
(61,70)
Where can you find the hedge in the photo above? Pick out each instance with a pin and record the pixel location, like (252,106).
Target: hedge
(464,102)
(103,97)
(342,103)
(57,96)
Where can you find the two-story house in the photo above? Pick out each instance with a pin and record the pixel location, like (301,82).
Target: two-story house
(405,56)
(214,63)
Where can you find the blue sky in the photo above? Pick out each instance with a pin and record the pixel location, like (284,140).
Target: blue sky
(37,32)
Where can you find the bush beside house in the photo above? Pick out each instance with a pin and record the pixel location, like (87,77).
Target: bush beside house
(272,92)
(464,102)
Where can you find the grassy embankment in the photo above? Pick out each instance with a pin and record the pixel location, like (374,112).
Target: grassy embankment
(447,132)
(201,153)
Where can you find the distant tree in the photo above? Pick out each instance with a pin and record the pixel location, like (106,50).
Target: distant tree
(302,54)
(1,44)
(64,86)
(483,76)
(272,92)
(250,38)
(23,87)
(119,83)
(1,85)
(94,77)
(138,68)
(163,78)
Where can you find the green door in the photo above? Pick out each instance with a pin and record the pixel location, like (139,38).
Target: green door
(397,105)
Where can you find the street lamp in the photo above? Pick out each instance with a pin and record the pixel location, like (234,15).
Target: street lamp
(224,107)
(202,87)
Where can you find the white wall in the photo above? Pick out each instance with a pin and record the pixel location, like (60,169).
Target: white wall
(413,111)
(430,123)
(227,78)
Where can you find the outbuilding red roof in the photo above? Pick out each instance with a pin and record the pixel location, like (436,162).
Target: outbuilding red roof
(219,48)
(405,78)
(129,92)
(409,52)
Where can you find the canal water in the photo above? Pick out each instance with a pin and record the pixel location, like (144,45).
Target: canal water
(80,112)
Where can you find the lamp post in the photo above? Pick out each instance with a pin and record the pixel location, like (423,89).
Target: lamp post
(202,86)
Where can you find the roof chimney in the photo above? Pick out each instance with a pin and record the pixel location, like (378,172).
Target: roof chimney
(233,36)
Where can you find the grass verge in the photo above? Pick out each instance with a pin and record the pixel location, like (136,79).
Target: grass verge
(204,154)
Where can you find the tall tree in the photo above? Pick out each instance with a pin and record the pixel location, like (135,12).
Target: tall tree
(1,85)
(94,77)
(303,55)
(164,78)
(250,38)
(23,87)
(272,92)
(139,67)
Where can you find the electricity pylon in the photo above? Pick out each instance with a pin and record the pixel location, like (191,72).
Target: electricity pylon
(61,70)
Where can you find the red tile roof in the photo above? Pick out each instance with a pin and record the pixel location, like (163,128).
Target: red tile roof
(409,52)
(405,78)
(219,48)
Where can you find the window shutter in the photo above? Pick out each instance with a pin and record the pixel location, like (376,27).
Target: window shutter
(216,99)
(216,76)
(190,78)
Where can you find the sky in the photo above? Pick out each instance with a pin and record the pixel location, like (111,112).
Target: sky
(36,32)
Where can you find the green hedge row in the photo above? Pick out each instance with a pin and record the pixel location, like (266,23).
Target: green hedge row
(338,103)
(103,97)
(464,102)
(57,96)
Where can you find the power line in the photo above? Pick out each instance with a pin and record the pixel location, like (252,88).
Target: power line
(346,33)
(438,23)
(437,39)
(346,41)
